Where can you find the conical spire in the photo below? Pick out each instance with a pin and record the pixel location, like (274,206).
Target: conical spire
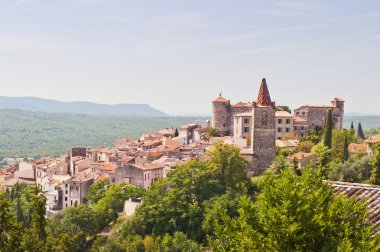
(359,132)
(263,98)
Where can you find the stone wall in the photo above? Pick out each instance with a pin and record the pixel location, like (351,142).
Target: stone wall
(220,114)
(263,139)
(235,111)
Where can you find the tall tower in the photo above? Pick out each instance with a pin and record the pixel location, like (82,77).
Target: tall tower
(263,131)
(339,104)
(220,115)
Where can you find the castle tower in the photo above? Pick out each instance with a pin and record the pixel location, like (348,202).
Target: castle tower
(263,131)
(339,104)
(220,115)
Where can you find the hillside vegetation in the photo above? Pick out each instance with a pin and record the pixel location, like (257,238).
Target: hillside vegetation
(33,134)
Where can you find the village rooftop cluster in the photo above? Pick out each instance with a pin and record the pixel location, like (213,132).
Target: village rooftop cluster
(257,128)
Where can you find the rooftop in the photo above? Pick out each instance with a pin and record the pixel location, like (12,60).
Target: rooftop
(283,114)
(364,193)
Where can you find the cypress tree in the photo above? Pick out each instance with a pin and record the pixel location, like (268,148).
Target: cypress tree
(375,172)
(176,132)
(345,148)
(352,129)
(327,131)
(360,132)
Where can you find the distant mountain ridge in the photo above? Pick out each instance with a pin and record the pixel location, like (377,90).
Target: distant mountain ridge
(35,104)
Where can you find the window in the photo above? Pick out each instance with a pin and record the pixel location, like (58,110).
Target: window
(246,120)
(66,200)
(301,134)
(279,121)
(279,138)
(295,127)
(224,125)
(65,191)
(246,129)
(279,129)
(287,121)
(113,180)
(287,130)
(148,176)
(144,177)
(302,127)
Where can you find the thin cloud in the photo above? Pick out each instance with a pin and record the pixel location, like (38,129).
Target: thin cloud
(265,49)
(14,5)
(30,44)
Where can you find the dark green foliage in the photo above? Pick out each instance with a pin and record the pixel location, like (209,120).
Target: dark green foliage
(10,231)
(176,133)
(359,132)
(355,170)
(345,148)
(327,130)
(375,172)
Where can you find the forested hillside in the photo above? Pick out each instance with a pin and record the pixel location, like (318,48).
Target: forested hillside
(31,134)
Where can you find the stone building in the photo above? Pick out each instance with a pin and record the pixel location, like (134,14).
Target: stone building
(315,115)
(253,121)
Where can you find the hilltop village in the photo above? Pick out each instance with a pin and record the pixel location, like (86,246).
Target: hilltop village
(258,128)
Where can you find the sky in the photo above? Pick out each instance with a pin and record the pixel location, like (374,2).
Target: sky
(179,55)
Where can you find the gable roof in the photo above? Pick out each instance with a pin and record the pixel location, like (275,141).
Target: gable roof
(364,193)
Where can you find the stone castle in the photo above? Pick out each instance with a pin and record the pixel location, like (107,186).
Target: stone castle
(261,123)
(254,121)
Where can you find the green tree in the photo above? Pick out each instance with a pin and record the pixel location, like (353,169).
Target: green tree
(9,229)
(35,238)
(324,155)
(296,213)
(345,148)
(97,191)
(84,217)
(327,130)
(176,133)
(176,243)
(228,166)
(375,172)
(352,129)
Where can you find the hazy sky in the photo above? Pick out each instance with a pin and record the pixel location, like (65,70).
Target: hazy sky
(178,55)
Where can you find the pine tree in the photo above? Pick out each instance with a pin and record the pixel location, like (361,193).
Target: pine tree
(345,148)
(176,132)
(35,238)
(327,131)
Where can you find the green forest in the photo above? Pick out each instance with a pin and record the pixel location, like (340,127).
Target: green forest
(35,134)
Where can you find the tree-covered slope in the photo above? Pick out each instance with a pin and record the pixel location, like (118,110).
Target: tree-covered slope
(30,134)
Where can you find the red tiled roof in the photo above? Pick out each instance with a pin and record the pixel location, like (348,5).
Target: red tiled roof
(126,159)
(221,99)
(109,167)
(242,104)
(354,148)
(299,119)
(302,155)
(263,98)
(364,193)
